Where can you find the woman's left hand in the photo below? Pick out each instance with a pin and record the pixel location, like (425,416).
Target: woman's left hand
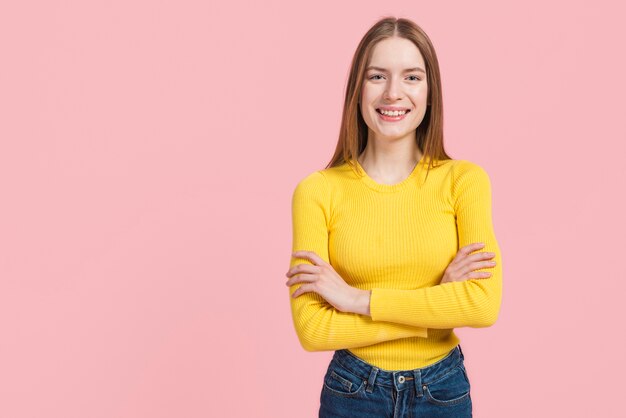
(322,279)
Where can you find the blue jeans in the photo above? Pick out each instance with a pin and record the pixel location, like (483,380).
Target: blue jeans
(354,388)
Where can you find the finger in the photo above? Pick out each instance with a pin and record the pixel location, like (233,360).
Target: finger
(464,251)
(302,268)
(483,265)
(479,275)
(483,255)
(302,289)
(473,262)
(301,278)
(312,256)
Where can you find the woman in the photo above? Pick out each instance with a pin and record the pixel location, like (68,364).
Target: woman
(386,242)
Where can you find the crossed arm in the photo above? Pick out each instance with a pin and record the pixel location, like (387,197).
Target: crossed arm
(396,313)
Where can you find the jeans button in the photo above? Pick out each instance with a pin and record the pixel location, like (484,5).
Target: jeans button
(401,379)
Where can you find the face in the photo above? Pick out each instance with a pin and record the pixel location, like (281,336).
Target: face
(397,82)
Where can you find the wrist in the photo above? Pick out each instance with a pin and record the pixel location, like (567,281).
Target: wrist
(362,302)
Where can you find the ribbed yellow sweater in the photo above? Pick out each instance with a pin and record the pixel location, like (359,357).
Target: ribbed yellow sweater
(396,240)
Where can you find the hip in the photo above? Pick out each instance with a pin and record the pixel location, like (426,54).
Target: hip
(353,387)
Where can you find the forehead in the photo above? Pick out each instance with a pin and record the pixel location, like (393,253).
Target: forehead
(396,54)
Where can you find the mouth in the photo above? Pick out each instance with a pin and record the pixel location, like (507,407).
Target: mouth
(392,116)
(398,112)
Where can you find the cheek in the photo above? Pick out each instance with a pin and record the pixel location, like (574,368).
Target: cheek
(424,93)
(372,91)
(366,95)
(420,93)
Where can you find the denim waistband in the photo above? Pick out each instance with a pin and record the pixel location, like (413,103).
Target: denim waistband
(400,379)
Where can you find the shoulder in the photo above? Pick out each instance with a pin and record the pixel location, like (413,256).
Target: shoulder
(465,170)
(465,166)
(312,186)
(469,179)
(328,178)
(315,179)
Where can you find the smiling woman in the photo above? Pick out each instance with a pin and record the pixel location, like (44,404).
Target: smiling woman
(380,100)
(386,242)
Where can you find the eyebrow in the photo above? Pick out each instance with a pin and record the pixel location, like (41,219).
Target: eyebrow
(408,70)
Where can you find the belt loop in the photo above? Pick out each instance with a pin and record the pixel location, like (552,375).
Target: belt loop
(417,378)
(371,379)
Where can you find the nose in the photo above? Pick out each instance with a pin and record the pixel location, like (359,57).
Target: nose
(392,92)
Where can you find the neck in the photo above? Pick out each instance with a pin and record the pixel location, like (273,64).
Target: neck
(393,158)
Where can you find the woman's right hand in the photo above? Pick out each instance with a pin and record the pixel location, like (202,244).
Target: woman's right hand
(463,266)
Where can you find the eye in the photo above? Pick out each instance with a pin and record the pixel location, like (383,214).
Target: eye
(373,77)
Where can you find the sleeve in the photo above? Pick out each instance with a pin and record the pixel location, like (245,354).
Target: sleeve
(470,303)
(319,326)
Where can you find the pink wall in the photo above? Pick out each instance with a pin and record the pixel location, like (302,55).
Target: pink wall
(148,152)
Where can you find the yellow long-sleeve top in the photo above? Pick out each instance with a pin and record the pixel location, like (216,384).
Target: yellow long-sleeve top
(396,240)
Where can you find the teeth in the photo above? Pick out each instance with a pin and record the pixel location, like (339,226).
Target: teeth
(393,113)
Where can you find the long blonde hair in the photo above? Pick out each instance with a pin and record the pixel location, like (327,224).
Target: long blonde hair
(353,130)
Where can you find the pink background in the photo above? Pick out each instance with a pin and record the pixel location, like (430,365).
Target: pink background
(148,152)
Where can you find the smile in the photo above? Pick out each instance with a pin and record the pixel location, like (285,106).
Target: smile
(392,116)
